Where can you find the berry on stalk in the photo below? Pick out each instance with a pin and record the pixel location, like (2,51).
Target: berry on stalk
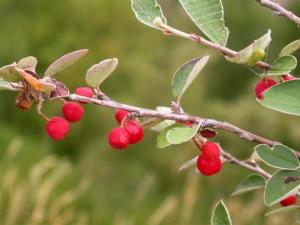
(72,111)
(135,131)
(57,128)
(119,138)
(120,115)
(210,150)
(208,167)
(85,92)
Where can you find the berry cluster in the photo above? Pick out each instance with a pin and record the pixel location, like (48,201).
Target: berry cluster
(266,83)
(58,127)
(209,162)
(129,132)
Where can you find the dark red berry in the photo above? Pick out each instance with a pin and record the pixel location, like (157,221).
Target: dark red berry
(135,131)
(119,138)
(72,111)
(207,133)
(186,123)
(291,200)
(288,77)
(120,114)
(210,150)
(85,92)
(57,128)
(208,167)
(262,86)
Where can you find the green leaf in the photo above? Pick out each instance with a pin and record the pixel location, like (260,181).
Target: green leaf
(208,15)
(283,97)
(220,215)
(282,210)
(281,185)
(147,12)
(290,48)
(254,52)
(281,157)
(250,183)
(5,85)
(187,164)
(28,63)
(185,75)
(99,72)
(162,141)
(283,65)
(65,61)
(9,73)
(181,133)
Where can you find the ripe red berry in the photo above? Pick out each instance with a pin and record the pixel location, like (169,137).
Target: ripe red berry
(291,200)
(72,111)
(57,128)
(85,92)
(210,150)
(207,133)
(208,167)
(135,131)
(262,86)
(288,77)
(189,124)
(119,138)
(120,114)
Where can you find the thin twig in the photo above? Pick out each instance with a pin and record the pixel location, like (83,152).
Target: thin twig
(280,10)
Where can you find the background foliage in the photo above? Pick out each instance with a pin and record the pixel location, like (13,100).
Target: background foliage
(142,185)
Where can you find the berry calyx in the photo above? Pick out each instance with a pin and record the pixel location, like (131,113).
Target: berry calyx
(288,77)
(207,133)
(119,138)
(262,86)
(208,167)
(85,92)
(135,131)
(72,111)
(210,150)
(291,200)
(120,115)
(57,128)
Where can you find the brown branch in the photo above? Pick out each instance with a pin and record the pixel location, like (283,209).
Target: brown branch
(280,10)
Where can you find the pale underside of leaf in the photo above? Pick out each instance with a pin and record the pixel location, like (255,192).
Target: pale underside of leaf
(283,65)
(65,61)
(221,215)
(208,15)
(283,97)
(28,63)
(254,52)
(290,48)
(186,74)
(9,73)
(181,133)
(8,86)
(187,164)
(99,72)
(147,11)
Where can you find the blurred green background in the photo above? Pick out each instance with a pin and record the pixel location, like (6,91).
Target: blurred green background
(141,185)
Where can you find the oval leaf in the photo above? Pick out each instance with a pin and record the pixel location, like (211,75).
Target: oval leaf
(185,75)
(99,72)
(220,215)
(65,61)
(250,183)
(9,73)
(284,97)
(254,52)
(181,133)
(290,48)
(283,65)
(162,141)
(281,157)
(281,185)
(28,63)
(208,15)
(147,11)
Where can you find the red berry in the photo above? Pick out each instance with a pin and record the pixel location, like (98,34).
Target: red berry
(186,123)
(291,200)
(72,111)
(288,77)
(57,128)
(208,167)
(85,92)
(119,138)
(210,150)
(135,131)
(207,133)
(120,114)
(262,86)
